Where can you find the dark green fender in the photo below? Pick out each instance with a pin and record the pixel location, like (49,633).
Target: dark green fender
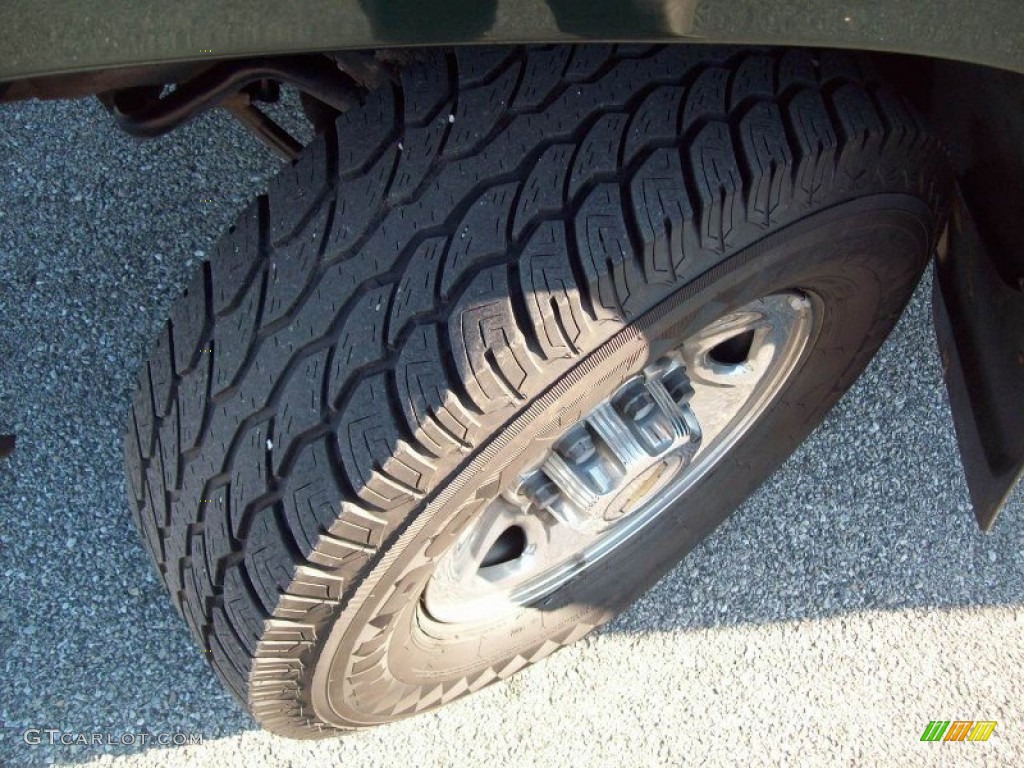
(54,36)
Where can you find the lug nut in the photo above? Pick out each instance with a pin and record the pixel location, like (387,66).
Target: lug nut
(678,385)
(578,448)
(545,493)
(638,405)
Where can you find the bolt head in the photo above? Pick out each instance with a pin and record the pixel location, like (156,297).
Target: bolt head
(579,447)
(638,405)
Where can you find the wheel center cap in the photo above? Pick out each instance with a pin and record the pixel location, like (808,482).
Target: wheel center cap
(617,456)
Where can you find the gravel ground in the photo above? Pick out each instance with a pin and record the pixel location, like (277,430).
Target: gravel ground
(849,602)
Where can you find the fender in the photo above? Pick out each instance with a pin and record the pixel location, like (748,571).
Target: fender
(40,37)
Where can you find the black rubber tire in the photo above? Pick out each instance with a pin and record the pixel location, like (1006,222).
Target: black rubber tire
(452,262)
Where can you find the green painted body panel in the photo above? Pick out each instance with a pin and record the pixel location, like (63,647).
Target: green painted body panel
(53,36)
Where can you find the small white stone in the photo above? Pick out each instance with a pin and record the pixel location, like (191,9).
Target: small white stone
(270,445)
(451,118)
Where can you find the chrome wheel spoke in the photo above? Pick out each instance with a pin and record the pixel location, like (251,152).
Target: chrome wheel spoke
(615,434)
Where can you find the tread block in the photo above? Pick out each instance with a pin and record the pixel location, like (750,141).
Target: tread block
(235,258)
(360,339)
(192,401)
(310,498)
(416,292)
(796,68)
(242,609)
(425,88)
(816,140)
(299,408)
(542,76)
(156,507)
(419,149)
(199,588)
(364,133)
(543,193)
(217,529)
(161,373)
(368,440)
(479,237)
(489,349)
(291,267)
(231,662)
(753,79)
(295,191)
(586,61)
(838,65)
(718,184)
(551,294)
(433,412)
(233,336)
(657,118)
(167,444)
(361,201)
(133,463)
(706,98)
(142,410)
(606,253)
(249,476)
(862,133)
(762,136)
(188,320)
(478,110)
(661,208)
(477,65)
(268,561)
(598,154)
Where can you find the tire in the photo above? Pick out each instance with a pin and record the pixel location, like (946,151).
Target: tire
(472,258)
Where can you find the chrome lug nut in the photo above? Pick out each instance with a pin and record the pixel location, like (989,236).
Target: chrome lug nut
(638,405)
(577,447)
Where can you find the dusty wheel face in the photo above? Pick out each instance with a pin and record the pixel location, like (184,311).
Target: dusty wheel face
(496,352)
(613,471)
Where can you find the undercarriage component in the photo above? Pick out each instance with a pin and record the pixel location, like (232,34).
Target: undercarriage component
(265,129)
(142,105)
(235,85)
(315,75)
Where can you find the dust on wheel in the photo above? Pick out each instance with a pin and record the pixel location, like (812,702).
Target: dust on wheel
(501,346)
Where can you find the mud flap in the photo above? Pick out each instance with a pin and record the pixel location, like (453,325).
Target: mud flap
(979,323)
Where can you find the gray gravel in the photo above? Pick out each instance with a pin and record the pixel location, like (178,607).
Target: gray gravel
(848,603)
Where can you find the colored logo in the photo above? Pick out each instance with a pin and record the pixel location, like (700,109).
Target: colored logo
(958,730)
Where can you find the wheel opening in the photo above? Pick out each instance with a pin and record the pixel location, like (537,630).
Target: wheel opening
(733,351)
(509,546)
